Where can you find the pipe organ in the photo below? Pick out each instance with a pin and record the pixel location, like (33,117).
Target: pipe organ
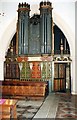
(37,48)
(34,34)
(34,38)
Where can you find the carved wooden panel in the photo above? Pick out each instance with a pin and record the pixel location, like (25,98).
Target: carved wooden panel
(59,77)
(22,88)
(61,70)
(11,70)
(8,71)
(59,85)
(28,70)
(55,70)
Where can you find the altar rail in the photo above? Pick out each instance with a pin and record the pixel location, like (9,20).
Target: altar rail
(23,88)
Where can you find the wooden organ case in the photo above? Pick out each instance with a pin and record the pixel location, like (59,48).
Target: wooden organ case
(28,58)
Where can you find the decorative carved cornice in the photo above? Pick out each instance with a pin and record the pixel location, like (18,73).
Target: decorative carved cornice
(61,58)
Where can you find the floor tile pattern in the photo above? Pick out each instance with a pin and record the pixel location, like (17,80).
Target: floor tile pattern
(63,105)
(67,107)
(26,109)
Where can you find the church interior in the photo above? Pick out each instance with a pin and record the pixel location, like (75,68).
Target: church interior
(37,77)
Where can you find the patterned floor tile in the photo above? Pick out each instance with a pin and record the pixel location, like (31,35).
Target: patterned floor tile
(66,107)
(27,109)
(32,110)
(28,115)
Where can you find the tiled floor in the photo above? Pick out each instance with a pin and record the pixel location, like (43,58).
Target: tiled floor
(67,107)
(54,106)
(27,108)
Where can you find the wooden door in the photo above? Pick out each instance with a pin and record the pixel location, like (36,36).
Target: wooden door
(59,77)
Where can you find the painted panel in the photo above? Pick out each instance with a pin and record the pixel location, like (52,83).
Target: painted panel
(25,71)
(46,70)
(36,70)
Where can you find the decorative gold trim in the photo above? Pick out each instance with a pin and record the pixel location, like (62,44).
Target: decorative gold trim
(62,58)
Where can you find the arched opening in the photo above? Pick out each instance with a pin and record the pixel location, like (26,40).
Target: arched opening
(59,38)
(60,45)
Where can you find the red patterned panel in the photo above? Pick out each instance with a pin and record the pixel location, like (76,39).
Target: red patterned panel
(36,70)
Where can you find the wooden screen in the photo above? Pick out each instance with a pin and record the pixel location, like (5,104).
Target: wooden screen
(59,77)
(35,70)
(29,70)
(11,70)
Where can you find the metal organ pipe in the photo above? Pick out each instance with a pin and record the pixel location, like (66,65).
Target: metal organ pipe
(23,31)
(46,27)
